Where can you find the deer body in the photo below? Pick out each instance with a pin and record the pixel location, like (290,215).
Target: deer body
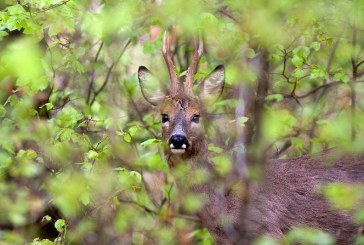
(288,196)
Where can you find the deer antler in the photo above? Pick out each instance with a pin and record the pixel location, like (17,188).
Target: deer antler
(193,68)
(168,58)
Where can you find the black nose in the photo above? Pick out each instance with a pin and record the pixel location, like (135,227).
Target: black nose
(178,141)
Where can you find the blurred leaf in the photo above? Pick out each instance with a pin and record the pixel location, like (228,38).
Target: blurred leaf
(340,76)
(315,46)
(48,106)
(127,137)
(223,164)
(298,143)
(203,236)
(275,97)
(46,218)
(297,61)
(318,72)
(69,117)
(92,154)
(150,142)
(266,240)
(23,59)
(37,241)
(2,111)
(192,203)
(344,196)
(60,225)
(242,120)
(298,73)
(306,235)
(215,149)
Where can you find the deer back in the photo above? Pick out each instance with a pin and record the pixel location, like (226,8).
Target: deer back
(291,195)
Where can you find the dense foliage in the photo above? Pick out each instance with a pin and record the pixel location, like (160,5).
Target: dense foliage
(76,133)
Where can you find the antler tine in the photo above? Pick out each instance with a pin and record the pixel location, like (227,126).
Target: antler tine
(193,68)
(168,58)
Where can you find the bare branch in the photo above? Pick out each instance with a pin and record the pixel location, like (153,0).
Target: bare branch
(97,92)
(93,75)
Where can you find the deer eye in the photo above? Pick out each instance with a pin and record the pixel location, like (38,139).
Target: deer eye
(195,118)
(165,118)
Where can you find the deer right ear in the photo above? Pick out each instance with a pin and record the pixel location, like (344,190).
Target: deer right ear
(213,84)
(149,86)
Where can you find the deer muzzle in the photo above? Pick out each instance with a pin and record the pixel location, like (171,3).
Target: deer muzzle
(178,144)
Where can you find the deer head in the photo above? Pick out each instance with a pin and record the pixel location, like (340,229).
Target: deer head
(181,111)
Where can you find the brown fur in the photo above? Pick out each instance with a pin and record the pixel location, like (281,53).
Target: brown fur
(290,196)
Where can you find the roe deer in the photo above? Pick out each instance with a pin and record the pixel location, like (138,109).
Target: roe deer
(287,197)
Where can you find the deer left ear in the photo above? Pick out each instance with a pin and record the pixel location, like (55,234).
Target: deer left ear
(149,86)
(213,85)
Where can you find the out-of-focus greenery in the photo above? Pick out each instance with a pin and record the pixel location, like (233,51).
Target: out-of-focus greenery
(75,132)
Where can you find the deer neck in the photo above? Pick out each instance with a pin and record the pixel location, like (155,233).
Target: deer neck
(196,158)
(219,203)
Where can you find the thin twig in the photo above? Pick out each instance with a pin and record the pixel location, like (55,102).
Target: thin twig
(324,86)
(146,209)
(53,6)
(93,75)
(97,92)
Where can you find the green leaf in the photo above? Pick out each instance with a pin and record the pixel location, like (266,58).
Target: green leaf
(359,216)
(308,235)
(341,76)
(275,97)
(48,106)
(31,154)
(318,72)
(344,196)
(297,61)
(69,117)
(132,130)
(250,53)
(315,46)
(184,73)
(137,176)
(223,164)
(192,203)
(92,154)
(36,241)
(266,240)
(2,111)
(298,73)
(215,149)
(85,198)
(150,142)
(60,225)
(242,120)
(3,34)
(46,218)
(23,59)
(127,137)
(298,143)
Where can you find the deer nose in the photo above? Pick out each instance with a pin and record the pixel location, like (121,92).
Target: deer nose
(178,141)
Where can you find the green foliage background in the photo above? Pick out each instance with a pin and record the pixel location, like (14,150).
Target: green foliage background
(75,132)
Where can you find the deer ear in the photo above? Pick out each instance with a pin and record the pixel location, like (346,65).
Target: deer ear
(213,85)
(149,86)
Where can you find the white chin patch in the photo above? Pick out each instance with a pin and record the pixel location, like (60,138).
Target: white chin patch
(178,151)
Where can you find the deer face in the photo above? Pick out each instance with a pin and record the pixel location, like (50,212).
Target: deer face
(182,113)
(181,125)
(180,110)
